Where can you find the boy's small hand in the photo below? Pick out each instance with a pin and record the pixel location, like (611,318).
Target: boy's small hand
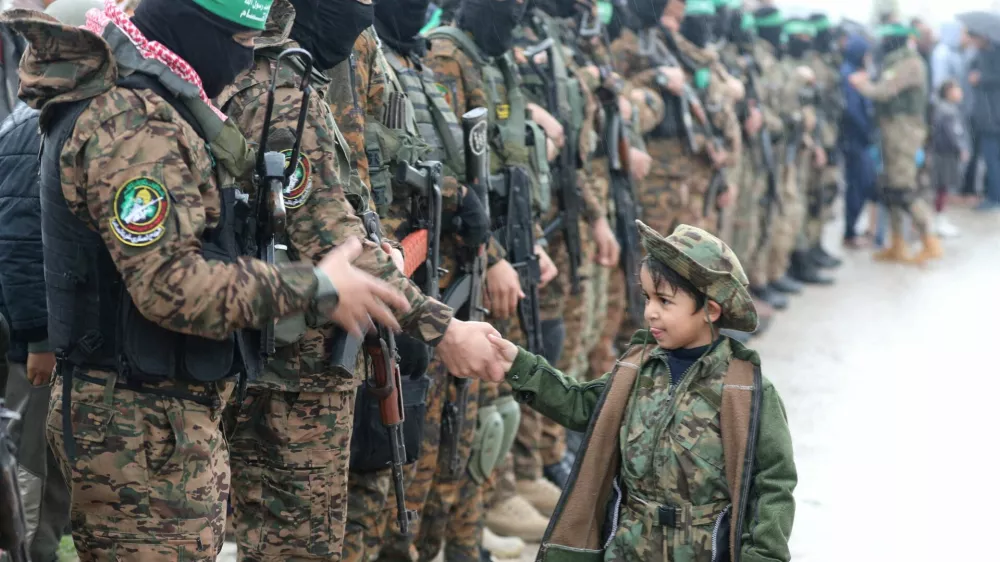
(505,352)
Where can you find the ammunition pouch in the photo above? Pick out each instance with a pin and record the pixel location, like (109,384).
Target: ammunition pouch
(371,449)
(538,159)
(383,146)
(487,448)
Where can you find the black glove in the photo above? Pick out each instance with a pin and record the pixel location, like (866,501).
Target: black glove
(470,221)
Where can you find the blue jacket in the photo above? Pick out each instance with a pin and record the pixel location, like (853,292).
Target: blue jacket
(986,100)
(22,276)
(858,121)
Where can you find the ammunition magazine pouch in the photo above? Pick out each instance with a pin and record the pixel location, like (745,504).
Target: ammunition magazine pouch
(487,445)
(538,159)
(371,449)
(383,146)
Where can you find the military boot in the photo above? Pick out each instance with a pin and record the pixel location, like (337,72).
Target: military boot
(896,251)
(515,517)
(824,259)
(502,547)
(775,299)
(805,271)
(786,285)
(540,493)
(932,250)
(559,472)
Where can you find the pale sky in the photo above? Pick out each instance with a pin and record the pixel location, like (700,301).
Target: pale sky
(933,11)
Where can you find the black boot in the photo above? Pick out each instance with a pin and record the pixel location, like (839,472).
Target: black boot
(786,285)
(822,258)
(805,271)
(776,299)
(559,473)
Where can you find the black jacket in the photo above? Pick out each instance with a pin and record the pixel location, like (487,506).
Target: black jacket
(986,99)
(22,276)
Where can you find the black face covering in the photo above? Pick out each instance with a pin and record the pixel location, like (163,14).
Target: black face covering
(329,28)
(560,8)
(647,12)
(398,23)
(771,34)
(890,44)
(697,30)
(202,39)
(823,41)
(797,47)
(491,23)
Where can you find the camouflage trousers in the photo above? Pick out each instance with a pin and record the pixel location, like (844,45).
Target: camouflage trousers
(823,185)
(609,322)
(787,227)
(674,191)
(373,512)
(290,454)
(752,181)
(150,478)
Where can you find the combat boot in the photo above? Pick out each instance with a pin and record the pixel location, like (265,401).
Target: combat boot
(786,285)
(540,493)
(515,517)
(822,258)
(776,299)
(932,250)
(559,472)
(804,271)
(502,547)
(896,251)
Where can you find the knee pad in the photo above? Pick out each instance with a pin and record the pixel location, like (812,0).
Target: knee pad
(510,412)
(486,446)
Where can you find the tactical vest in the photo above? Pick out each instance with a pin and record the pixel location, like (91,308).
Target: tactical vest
(912,101)
(508,117)
(93,322)
(435,121)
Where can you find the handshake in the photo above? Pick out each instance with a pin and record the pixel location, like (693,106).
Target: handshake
(467,349)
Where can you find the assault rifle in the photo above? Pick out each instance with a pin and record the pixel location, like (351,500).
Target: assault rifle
(517,236)
(13,529)
(678,108)
(616,146)
(385,384)
(467,292)
(563,169)
(274,169)
(772,199)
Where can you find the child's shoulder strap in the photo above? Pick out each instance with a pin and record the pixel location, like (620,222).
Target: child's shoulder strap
(742,394)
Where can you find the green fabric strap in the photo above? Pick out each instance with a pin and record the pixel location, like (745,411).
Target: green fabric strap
(605,11)
(798,27)
(748,22)
(699,8)
(773,20)
(894,30)
(434,22)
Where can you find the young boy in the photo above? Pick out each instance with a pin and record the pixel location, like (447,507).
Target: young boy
(685,442)
(949,148)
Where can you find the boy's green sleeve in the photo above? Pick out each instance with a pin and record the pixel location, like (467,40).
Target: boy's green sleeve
(553,394)
(771,507)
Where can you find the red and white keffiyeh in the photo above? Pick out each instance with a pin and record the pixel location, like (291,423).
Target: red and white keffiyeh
(97,21)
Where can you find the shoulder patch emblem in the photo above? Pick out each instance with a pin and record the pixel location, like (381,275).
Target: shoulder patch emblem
(445,92)
(141,206)
(300,183)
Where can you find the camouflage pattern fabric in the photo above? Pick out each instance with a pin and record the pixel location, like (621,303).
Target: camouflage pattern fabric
(369,497)
(902,88)
(453,515)
(150,479)
(608,326)
(290,452)
(710,265)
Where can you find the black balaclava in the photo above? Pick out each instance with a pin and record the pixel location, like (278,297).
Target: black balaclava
(697,30)
(824,37)
(204,40)
(622,18)
(894,43)
(797,46)
(771,34)
(647,12)
(398,23)
(722,22)
(560,8)
(329,28)
(491,23)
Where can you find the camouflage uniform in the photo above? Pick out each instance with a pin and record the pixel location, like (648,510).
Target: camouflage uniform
(292,433)
(824,182)
(669,439)
(150,476)
(900,97)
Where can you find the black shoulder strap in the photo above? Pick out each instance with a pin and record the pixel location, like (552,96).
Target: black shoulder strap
(142,81)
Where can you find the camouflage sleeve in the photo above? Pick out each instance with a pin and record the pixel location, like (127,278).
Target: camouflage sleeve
(551,393)
(765,534)
(151,197)
(494,252)
(319,215)
(375,76)
(907,74)
(464,90)
(343,98)
(593,198)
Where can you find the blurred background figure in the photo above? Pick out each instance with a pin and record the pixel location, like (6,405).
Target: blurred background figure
(856,140)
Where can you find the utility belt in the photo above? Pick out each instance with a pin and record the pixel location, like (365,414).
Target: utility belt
(681,518)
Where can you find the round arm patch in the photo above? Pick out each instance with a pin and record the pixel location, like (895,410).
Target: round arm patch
(300,183)
(141,207)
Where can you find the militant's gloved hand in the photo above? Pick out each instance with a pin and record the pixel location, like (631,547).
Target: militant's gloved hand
(470,222)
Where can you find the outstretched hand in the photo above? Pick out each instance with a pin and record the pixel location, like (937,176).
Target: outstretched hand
(363,298)
(466,351)
(505,351)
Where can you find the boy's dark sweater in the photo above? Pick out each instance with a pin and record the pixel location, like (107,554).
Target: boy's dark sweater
(680,360)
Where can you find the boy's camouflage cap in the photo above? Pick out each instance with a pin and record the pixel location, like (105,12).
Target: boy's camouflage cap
(709,265)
